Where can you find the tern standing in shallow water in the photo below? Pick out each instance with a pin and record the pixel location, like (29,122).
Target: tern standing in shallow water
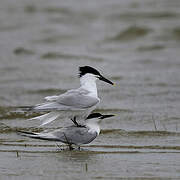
(77,103)
(75,134)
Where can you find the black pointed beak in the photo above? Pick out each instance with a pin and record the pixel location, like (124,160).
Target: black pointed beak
(105,80)
(107,116)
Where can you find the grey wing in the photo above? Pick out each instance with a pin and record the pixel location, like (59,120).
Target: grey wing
(56,97)
(75,135)
(77,99)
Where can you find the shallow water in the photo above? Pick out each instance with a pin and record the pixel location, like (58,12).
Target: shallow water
(135,44)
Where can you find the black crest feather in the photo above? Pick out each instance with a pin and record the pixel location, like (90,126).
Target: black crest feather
(87,69)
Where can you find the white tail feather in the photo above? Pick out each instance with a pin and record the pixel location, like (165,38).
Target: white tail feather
(52,116)
(46,118)
(39,117)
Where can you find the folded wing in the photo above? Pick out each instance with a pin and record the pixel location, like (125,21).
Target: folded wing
(71,100)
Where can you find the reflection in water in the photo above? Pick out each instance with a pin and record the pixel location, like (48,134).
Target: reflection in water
(77,156)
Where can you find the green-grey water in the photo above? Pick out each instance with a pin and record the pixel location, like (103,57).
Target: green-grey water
(135,44)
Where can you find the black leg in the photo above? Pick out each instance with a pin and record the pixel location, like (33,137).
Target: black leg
(68,143)
(59,146)
(76,123)
(70,147)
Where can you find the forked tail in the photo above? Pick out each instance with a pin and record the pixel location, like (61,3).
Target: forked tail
(43,136)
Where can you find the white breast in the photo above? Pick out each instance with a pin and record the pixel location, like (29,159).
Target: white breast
(93,127)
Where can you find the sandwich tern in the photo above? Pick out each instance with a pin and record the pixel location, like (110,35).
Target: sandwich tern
(77,103)
(73,135)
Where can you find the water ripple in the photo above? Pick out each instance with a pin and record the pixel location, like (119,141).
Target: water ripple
(131,33)
(145,15)
(57,55)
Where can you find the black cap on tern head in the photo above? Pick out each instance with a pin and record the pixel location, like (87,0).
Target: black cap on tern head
(99,115)
(87,69)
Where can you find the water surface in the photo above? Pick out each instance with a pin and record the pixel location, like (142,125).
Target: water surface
(135,44)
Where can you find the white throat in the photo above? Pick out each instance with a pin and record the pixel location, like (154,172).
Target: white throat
(93,127)
(88,82)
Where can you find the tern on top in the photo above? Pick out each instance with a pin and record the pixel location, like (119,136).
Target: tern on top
(77,103)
